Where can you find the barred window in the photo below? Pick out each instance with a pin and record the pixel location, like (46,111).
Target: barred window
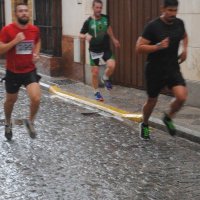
(47,16)
(2,14)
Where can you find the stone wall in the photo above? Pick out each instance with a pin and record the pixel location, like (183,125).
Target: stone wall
(71,69)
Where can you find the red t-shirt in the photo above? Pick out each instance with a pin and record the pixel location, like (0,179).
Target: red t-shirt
(19,58)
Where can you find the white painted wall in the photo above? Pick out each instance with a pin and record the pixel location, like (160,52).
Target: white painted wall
(189,11)
(74,14)
(8,12)
(73,17)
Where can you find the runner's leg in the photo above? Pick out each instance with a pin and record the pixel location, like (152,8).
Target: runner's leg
(8,106)
(180,92)
(110,67)
(95,77)
(34,94)
(109,58)
(148,109)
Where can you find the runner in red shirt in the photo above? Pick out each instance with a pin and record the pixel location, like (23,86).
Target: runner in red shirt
(21,43)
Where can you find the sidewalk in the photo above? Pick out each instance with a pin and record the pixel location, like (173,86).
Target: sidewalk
(125,100)
(131,100)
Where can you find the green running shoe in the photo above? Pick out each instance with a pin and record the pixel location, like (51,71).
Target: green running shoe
(144,131)
(169,124)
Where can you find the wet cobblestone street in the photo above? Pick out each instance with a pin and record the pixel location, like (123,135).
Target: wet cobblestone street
(83,154)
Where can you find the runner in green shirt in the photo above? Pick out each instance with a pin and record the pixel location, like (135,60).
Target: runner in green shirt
(98,32)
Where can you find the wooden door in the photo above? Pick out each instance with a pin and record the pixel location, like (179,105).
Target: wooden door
(128,18)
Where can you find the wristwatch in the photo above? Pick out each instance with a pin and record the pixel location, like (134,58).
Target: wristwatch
(159,45)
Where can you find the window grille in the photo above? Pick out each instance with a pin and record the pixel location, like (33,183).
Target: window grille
(47,16)
(2,14)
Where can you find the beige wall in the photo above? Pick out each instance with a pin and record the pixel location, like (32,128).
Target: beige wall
(189,11)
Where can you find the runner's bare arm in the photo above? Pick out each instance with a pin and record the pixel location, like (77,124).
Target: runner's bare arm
(185,41)
(143,45)
(111,34)
(37,47)
(4,47)
(36,51)
(82,36)
(86,36)
(183,55)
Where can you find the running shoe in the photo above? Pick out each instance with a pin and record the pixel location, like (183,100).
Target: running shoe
(98,96)
(169,124)
(107,84)
(144,131)
(8,132)
(30,128)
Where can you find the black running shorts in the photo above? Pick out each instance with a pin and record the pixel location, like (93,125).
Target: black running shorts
(156,82)
(106,55)
(14,81)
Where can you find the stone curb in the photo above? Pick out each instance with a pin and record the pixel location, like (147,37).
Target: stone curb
(154,122)
(181,131)
(136,117)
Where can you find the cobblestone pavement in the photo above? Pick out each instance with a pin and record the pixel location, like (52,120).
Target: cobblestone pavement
(83,154)
(132,100)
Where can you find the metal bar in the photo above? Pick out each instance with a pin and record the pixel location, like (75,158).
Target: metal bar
(48,19)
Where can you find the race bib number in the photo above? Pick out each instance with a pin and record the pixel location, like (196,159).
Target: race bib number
(96,55)
(25,47)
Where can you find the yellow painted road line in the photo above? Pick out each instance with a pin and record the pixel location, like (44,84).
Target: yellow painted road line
(136,117)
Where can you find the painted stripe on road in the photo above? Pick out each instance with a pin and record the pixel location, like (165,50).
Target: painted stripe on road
(136,117)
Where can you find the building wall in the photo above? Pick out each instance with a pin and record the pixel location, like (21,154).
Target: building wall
(74,15)
(73,19)
(74,58)
(71,22)
(8,12)
(190,13)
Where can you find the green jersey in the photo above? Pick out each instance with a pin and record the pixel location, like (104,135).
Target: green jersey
(97,28)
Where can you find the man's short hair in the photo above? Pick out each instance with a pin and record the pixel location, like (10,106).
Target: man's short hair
(167,3)
(96,1)
(20,4)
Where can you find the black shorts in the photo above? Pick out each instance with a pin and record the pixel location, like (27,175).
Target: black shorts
(156,82)
(14,81)
(107,54)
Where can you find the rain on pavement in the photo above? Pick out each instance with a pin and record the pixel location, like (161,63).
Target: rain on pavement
(86,154)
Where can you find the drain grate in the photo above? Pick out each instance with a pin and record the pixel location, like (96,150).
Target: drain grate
(89,113)
(64,82)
